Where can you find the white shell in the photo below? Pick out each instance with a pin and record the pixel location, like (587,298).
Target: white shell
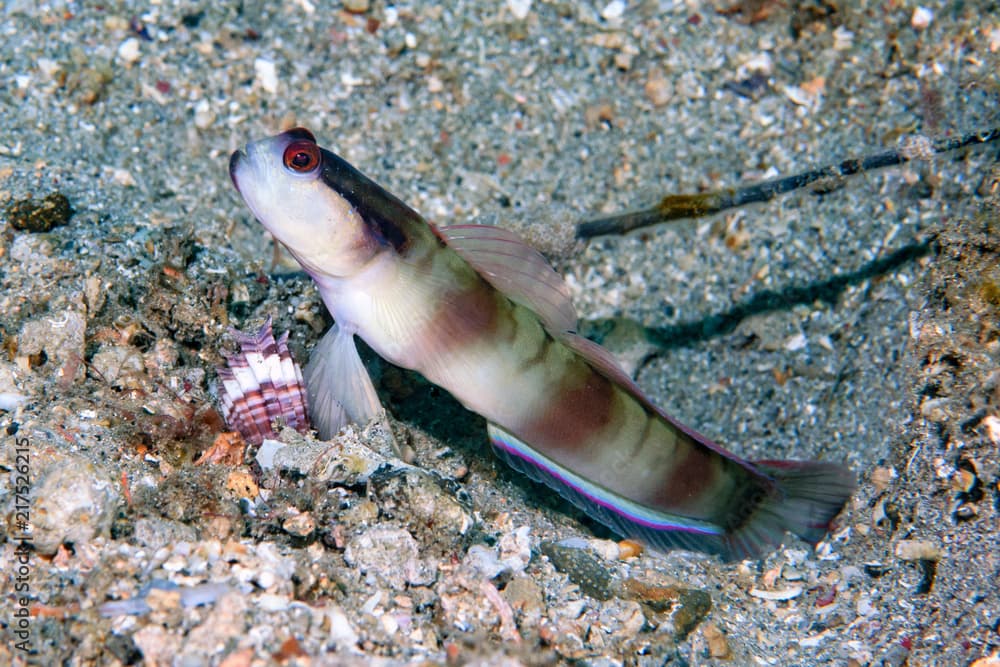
(262,385)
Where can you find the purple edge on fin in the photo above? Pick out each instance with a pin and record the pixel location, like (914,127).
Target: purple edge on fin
(658,530)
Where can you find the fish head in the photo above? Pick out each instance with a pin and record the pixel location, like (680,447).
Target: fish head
(290,184)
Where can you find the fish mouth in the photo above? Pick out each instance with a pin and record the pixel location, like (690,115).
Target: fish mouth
(234,164)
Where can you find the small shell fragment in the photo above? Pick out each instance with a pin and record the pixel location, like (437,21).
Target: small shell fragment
(779,595)
(266,74)
(519,8)
(921,18)
(992,423)
(262,384)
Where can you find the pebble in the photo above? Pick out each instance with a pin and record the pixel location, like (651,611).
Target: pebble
(519,8)
(300,525)
(718,646)
(921,18)
(344,460)
(583,568)
(157,644)
(31,215)
(420,501)
(659,90)
(116,363)
(917,550)
(992,424)
(204,117)
(526,598)
(843,39)
(882,476)
(11,400)
(357,6)
(157,532)
(129,51)
(74,502)
(60,336)
(391,556)
(266,73)
(683,608)
(613,11)
(10,393)
(226,625)
(796,342)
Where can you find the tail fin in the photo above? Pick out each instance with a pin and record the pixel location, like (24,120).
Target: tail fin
(806,498)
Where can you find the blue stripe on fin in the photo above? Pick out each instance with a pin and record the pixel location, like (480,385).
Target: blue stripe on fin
(658,530)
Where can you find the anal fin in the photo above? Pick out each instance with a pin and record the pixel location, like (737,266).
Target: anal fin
(658,530)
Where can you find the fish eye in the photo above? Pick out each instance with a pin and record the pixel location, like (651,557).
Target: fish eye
(302,156)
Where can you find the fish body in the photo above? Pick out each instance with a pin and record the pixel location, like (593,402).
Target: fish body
(482,315)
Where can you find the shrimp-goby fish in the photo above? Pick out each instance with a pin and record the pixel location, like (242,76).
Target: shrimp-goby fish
(483,315)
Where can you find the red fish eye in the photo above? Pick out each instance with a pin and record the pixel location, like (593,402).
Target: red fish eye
(302,156)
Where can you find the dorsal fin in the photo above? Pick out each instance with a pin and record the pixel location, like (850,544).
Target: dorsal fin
(516,269)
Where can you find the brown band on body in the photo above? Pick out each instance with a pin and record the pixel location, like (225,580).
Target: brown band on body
(693,474)
(463,316)
(581,407)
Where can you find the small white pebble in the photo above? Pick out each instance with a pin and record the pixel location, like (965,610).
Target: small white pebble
(865,607)
(48,67)
(798,96)
(122,177)
(994,40)
(267,74)
(519,8)
(272,602)
(796,342)
(128,50)
(265,579)
(992,423)
(204,117)
(369,606)
(659,90)
(389,624)
(843,39)
(760,63)
(613,10)
(266,452)
(921,18)
(410,40)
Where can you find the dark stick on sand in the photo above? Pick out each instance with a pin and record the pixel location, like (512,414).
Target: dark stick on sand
(678,207)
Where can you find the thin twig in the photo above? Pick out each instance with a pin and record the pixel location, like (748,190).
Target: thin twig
(678,207)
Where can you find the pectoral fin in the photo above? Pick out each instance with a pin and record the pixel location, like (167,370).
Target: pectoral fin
(340,390)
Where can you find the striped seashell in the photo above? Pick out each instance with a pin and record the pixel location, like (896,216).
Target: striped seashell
(262,385)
